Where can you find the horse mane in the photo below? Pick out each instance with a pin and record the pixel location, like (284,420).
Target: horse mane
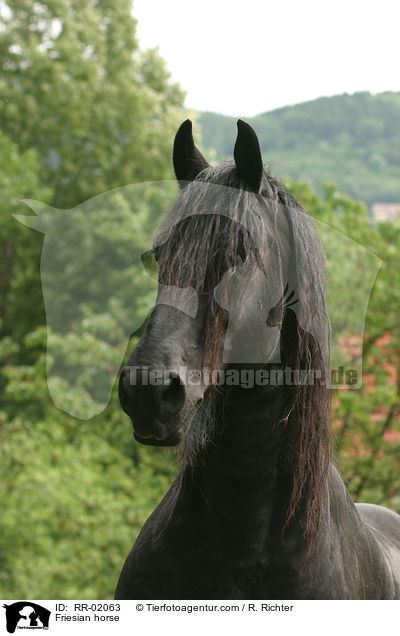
(194,250)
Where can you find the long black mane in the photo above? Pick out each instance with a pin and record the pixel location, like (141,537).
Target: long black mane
(203,236)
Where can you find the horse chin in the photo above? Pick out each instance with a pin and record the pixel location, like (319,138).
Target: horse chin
(174,439)
(180,428)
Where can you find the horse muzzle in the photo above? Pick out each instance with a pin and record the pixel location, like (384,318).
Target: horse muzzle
(153,400)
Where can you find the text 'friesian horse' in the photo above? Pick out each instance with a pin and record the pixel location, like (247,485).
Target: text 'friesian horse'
(257,509)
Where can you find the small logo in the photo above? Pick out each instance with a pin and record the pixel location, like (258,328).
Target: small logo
(26,615)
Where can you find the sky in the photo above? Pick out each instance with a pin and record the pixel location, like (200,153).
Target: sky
(245,58)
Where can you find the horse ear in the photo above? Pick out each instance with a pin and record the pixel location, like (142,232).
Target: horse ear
(247,156)
(188,161)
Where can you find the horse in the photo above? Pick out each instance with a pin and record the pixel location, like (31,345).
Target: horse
(257,509)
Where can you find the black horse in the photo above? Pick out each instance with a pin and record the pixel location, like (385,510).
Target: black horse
(257,509)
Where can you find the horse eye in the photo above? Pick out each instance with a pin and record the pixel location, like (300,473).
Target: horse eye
(149,262)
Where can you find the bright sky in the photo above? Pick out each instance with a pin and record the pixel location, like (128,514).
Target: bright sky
(244,58)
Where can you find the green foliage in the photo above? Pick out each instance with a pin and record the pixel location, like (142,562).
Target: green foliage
(74,497)
(76,87)
(19,250)
(353,140)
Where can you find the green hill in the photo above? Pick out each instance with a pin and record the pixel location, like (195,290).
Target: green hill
(353,140)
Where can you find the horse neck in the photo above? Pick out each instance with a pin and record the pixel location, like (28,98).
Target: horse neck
(244,476)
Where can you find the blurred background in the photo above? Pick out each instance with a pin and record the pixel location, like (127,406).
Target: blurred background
(87,105)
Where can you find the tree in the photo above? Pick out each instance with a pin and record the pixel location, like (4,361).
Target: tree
(19,250)
(99,112)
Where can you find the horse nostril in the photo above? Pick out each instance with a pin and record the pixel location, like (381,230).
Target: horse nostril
(173,397)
